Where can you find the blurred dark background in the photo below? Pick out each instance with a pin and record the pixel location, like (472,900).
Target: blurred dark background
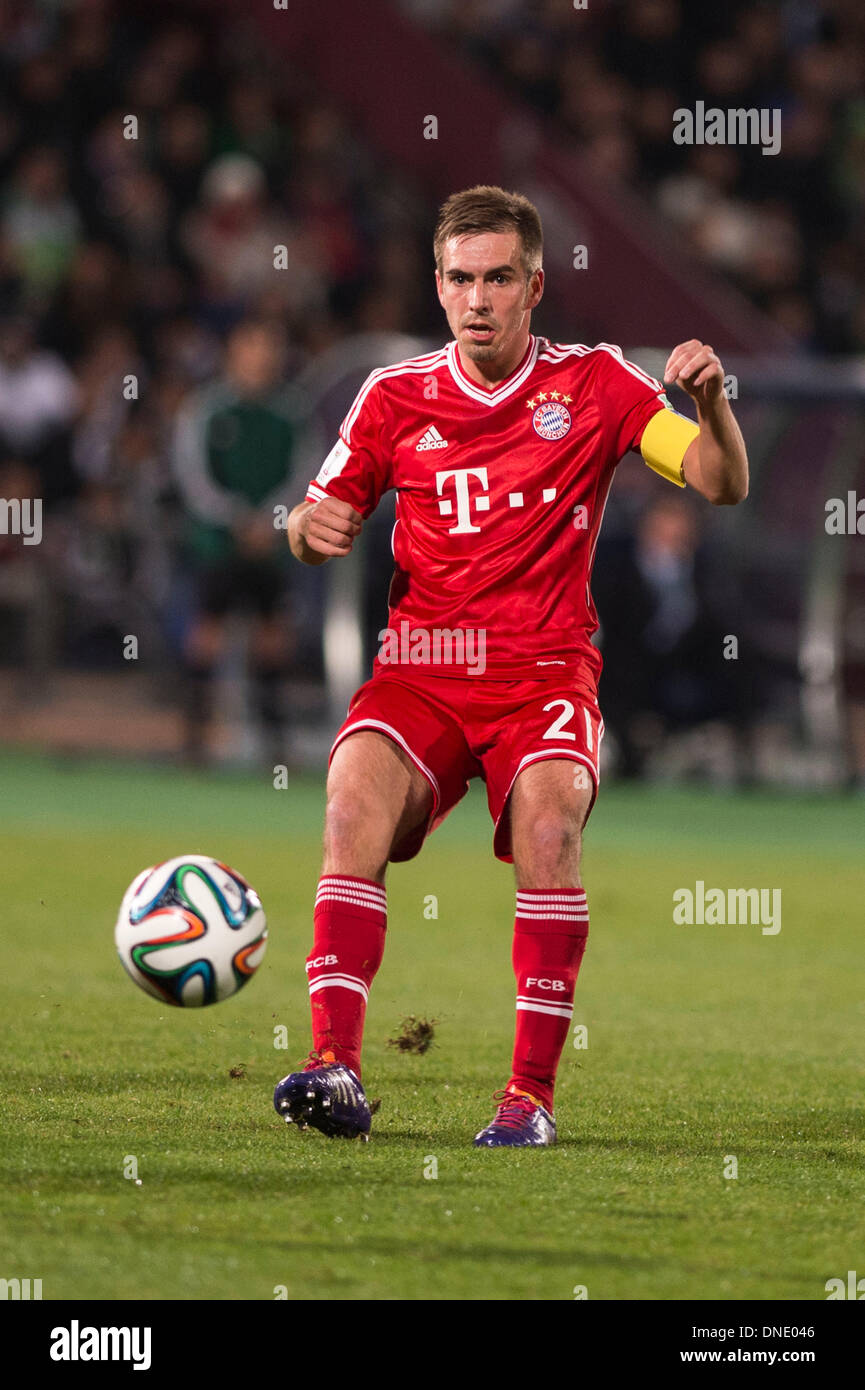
(215,220)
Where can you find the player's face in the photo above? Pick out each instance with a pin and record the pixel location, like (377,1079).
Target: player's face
(487,299)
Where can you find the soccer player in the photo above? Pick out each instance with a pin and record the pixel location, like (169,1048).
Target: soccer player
(501,447)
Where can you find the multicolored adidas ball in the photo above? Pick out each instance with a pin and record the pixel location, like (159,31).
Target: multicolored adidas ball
(191,931)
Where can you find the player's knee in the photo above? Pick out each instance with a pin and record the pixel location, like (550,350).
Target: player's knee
(355,831)
(549,843)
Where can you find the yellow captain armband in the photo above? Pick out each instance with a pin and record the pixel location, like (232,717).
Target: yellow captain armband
(665,442)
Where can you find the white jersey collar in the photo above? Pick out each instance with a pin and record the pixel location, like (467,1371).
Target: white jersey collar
(505,388)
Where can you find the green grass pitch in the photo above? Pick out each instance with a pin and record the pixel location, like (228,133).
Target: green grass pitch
(704,1043)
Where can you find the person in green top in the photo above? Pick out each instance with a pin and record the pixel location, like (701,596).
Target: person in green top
(235,447)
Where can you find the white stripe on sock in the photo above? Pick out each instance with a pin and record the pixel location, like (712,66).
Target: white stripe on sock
(327,895)
(354,884)
(553,916)
(355,890)
(339,982)
(575,897)
(545,1009)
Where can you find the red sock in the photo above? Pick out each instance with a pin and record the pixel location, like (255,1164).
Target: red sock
(348,943)
(549,940)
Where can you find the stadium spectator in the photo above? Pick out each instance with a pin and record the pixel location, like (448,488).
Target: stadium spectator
(27,611)
(232,238)
(95,293)
(38,401)
(665,609)
(234,455)
(40,222)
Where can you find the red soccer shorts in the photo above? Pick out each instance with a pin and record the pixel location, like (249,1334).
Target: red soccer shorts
(455,729)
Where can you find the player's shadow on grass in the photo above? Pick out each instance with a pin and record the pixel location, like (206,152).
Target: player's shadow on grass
(451,1250)
(428,1249)
(445,1136)
(700,1147)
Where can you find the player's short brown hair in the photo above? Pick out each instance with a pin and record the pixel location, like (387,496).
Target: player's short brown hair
(489,209)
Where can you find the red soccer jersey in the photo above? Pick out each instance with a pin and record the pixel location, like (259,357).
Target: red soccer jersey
(500,497)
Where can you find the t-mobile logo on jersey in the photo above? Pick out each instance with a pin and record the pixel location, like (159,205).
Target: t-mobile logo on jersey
(464,498)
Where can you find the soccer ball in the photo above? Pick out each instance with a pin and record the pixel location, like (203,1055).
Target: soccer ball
(190,931)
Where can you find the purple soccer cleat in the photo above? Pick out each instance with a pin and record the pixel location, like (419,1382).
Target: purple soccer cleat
(519,1123)
(325,1096)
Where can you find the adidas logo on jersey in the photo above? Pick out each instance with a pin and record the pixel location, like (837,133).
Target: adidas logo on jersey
(431,440)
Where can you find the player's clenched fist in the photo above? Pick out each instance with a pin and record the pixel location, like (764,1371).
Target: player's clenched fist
(696,368)
(323,529)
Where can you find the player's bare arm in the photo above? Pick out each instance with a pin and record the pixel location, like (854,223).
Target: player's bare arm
(716,462)
(318,531)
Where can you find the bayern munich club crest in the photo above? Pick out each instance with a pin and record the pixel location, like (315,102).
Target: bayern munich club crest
(552,420)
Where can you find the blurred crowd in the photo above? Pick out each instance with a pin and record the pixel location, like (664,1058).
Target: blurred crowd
(787,229)
(153,155)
